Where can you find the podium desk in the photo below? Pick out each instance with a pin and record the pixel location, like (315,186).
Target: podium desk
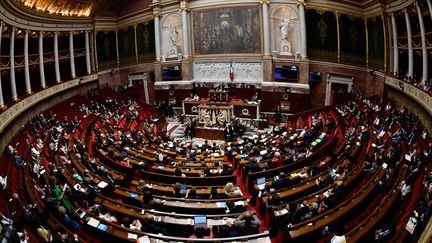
(241,108)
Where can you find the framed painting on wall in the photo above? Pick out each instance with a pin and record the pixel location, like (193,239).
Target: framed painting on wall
(227,30)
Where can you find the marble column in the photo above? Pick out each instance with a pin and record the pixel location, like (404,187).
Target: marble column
(12,64)
(157,36)
(72,55)
(410,45)
(41,61)
(2,105)
(185,25)
(92,50)
(423,44)
(429,3)
(87,48)
(266,27)
(56,58)
(26,63)
(303,37)
(395,45)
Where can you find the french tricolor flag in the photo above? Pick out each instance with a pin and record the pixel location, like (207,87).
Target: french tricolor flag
(231,72)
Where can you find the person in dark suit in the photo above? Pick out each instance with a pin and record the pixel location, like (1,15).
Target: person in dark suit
(148,201)
(278,114)
(253,166)
(247,224)
(282,182)
(226,170)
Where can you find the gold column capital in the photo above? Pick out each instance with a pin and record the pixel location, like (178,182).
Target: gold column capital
(27,31)
(14,29)
(264,2)
(41,33)
(184,6)
(301,2)
(157,15)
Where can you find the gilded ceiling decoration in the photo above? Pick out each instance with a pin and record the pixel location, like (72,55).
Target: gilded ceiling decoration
(60,7)
(82,8)
(116,8)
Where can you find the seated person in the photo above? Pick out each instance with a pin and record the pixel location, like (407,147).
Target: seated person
(233,208)
(192,194)
(282,182)
(148,201)
(178,172)
(277,159)
(232,191)
(226,170)
(200,233)
(215,195)
(247,224)
(253,166)
(149,225)
(177,191)
(225,231)
(254,97)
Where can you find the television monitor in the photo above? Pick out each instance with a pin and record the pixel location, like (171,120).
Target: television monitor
(286,73)
(314,77)
(171,73)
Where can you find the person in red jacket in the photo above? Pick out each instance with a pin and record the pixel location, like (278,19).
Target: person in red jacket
(277,159)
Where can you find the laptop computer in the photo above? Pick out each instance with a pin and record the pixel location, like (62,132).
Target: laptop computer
(80,213)
(261,183)
(332,173)
(200,222)
(102,227)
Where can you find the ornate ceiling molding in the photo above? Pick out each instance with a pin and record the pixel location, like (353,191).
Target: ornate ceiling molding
(14,16)
(60,8)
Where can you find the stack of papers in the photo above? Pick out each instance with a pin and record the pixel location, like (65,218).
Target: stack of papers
(102,184)
(132,236)
(93,222)
(144,239)
(221,204)
(239,203)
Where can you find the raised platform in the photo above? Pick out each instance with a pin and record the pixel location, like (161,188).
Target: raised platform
(242,108)
(209,133)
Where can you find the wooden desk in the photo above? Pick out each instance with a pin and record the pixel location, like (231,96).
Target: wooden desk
(329,216)
(196,206)
(242,108)
(209,133)
(320,152)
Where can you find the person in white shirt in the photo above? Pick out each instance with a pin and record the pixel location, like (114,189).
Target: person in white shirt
(232,191)
(404,188)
